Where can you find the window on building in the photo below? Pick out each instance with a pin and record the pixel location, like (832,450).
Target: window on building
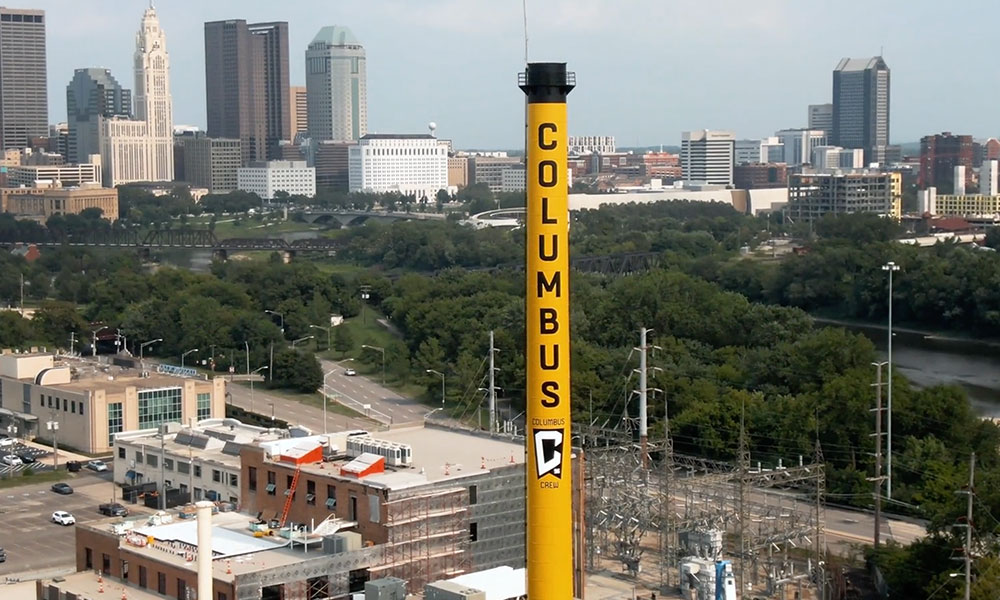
(114,420)
(473,494)
(159,406)
(152,460)
(374,508)
(252,479)
(183,467)
(216,475)
(142,576)
(331,497)
(352,509)
(121,452)
(72,406)
(221,596)
(161,583)
(288,486)
(81,407)
(204,406)
(311,492)
(138,457)
(181,589)
(473,531)
(168,464)
(233,480)
(105,563)
(65,404)
(271,485)
(197,471)
(88,560)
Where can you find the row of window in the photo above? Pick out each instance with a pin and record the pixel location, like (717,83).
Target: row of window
(67,405)
(183,593)
(184,468)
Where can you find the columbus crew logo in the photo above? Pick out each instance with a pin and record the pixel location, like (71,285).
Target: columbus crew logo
(548,452)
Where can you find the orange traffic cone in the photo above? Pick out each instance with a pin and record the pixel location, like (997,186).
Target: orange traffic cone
(512,458)
(100,589)
(483,465)
(123,594)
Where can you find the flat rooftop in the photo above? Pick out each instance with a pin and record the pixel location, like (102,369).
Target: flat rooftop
(439,454)
(211,440)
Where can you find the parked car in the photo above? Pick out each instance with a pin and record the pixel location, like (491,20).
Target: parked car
(62,488)
(11,461)
(26,458)
(113,509)
(63,518)
(73,466)
(7,442)
(3,555)
(350,372)
(97,465)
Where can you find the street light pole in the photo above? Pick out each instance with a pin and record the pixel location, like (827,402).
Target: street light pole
(442,383)
(183,354)
(325,396)
(381,351)
(301,339)
(280,316)
(365,289)
(891,267)
(251,384)
(327,330)
(142,346)
(272,412)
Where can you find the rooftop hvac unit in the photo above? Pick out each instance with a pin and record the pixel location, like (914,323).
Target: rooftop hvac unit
(394,453)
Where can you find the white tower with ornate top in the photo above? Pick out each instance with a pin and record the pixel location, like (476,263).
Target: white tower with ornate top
(152,95)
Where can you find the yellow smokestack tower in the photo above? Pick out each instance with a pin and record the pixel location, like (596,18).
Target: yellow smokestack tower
(550,495)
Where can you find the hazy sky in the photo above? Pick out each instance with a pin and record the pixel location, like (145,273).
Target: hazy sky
(646,69)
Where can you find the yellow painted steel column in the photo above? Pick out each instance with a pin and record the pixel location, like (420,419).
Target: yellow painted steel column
(549,472)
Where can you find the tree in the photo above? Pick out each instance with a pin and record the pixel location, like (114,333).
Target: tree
(56,320)
(343,341)
(297,370)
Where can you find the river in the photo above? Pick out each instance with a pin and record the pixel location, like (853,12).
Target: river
(930,360)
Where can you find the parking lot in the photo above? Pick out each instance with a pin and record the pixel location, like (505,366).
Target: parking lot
(32,541)
(21,450)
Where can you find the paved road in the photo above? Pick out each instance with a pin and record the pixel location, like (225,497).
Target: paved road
(293,411)
(359,392)
(34,543)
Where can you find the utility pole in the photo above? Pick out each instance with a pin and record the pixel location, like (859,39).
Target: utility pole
(742,501)
(22,295)
(643,399)
(878,479)
(493,387)
(72,341)
(163,476)
(967,549)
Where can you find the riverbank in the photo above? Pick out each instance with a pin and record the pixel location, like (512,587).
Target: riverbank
(927,334)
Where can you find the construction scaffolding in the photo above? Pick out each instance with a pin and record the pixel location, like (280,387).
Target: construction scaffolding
(428,537)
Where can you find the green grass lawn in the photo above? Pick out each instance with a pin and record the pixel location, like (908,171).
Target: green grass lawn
(314,399)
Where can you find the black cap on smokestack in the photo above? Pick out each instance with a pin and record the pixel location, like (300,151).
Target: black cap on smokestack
(546,82)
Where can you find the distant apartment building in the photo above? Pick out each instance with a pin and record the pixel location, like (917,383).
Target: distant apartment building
(821,118)
(24,108)
(93,402)
(812,195)
(988,178)
(45,198)
(489,170)
(90,95)
(835,157)
(65,175)
(708,156)
(955,205)
(591,144)
(663,165)
(988,149)
(939,155)
(760,176)
(408,164)
(332,162)
(513,179)
(298,111)
(268,178)
(798,144)
(336,86)
(458,171)
(861,106)
(212,163)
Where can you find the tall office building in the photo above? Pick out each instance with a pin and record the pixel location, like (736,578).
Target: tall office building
(24,108)
(798,144)
(939,155)
(336,88)
(821,117)
(246,85)
(90,95)
(988,178)
(708,156)
(142,149)
(298,111)
(861,106)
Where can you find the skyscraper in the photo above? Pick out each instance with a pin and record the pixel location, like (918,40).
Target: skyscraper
(939,155)
(90,95)
(24,109)
(298,113)
(142,149)
(861,106)
(246,84)
(708,156)
(821,117)
(336,88)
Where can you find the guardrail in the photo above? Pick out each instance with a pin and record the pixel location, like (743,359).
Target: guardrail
(364,409)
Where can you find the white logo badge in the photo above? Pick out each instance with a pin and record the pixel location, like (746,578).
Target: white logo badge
(548,452)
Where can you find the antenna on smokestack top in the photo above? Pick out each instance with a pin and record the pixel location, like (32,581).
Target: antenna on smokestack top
(524,13)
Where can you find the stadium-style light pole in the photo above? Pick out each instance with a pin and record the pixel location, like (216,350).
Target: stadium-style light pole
(891,268)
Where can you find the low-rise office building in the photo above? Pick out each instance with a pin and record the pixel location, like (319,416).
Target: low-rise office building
(66,175)
(812,195)
(92,402)
(268,178)
(46,199)
(212,163)
(488,170)
(408,164)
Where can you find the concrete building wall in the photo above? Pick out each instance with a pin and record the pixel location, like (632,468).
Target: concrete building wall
(458,171)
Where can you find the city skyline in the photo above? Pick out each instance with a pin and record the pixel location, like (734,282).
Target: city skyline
(744,77)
